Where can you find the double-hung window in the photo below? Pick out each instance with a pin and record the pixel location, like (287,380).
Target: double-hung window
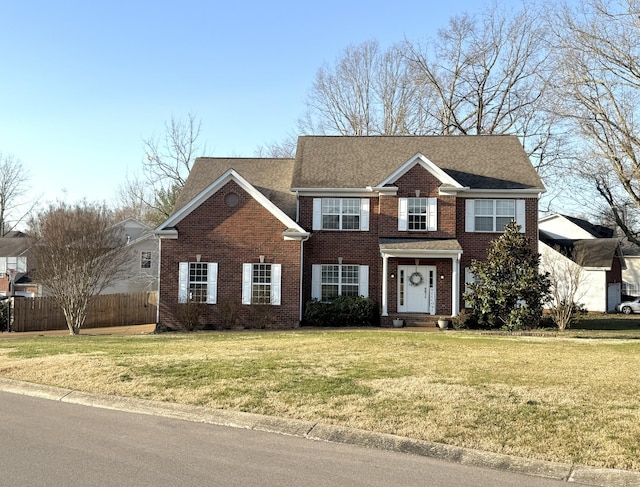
(261,283)
(489,215)
(420,214)
(341,214)
(332,280)
(197,282)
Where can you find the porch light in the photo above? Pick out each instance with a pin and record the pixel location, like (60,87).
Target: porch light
(441,276)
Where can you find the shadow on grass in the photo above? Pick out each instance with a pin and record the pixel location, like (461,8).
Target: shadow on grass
(598,321)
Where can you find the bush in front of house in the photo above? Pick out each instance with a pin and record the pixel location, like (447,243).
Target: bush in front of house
(342,311)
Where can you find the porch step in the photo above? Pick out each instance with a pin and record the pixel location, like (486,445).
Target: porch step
(415,320)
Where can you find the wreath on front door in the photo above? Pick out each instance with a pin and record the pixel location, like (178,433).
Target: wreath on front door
(416,279)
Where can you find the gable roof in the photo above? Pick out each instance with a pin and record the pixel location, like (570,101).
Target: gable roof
(14,246)
(592,252)
(292,231)
(271,177)
(597,231)
(479,161)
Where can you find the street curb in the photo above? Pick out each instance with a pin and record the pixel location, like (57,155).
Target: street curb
(600,477)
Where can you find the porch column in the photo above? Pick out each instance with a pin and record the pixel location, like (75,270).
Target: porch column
(455,286)
(385,264)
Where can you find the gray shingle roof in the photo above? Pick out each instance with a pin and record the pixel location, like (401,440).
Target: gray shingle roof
(480,162)
(419,244)
(590,252)
(272,177)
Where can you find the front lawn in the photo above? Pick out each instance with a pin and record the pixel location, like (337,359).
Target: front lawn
(555,398)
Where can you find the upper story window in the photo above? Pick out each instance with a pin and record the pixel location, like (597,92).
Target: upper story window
(484,215)
(261,283)
(197,282)
(332,280)
(145,260)
(419,214)
(341,214)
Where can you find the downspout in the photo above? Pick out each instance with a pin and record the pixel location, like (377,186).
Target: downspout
(159,274)
(302,241)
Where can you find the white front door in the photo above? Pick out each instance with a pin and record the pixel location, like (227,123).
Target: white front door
(417,289)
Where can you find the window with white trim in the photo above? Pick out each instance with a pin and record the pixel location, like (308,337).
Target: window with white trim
(418,214)
(492,215)
(630,288)
(261,284)
(145,260)
(332,280)
(197,282)
(341,214)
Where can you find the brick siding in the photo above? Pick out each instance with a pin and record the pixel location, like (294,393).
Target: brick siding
(232,237)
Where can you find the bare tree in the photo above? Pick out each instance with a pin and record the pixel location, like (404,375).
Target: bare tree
(489,76)
(366,92)
(568,285)
(78,253)
(14,179)
(599,84)
(167,163)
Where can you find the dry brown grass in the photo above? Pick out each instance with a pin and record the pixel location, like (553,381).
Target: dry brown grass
(562,399)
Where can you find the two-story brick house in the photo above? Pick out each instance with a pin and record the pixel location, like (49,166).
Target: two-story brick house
(397,219)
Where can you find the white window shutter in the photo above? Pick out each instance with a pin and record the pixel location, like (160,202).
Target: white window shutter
(212,283)
(363,275)
(276,272)
(316,282)
(432,214)
(364,214)
(521,215)
(468,279)
(22,264)
(183,282)
(469,216)
(317,214)
(403,209)
(246,283)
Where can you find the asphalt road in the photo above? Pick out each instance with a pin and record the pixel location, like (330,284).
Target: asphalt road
(50,443)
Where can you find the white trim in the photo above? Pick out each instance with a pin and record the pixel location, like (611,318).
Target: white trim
(495,193)
(442,176)
(230,175)
(427,254)
(336,192)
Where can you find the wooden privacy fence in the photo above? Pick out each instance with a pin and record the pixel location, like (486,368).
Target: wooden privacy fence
(40,314)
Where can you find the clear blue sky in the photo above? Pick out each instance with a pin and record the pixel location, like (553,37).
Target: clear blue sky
(82,82)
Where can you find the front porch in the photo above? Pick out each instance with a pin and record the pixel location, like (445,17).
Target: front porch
(420,279)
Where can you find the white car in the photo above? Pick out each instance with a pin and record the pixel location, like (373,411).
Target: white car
(628,307)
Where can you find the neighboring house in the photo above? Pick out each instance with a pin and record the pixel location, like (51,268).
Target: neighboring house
(631,271)
(397,219)
(141,275)
(594,249)
(15,267)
